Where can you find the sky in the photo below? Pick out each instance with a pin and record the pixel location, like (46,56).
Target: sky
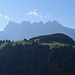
(62,11)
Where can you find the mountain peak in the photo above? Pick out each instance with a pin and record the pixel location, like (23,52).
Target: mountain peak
(41,22)
(54,21)
(49,22)
(25,22)
(11,22)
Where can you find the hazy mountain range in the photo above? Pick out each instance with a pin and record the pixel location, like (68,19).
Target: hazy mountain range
(18,31)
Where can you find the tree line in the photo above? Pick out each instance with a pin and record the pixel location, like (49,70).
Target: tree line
(36,59)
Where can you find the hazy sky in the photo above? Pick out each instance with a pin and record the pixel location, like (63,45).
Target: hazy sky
(36,10)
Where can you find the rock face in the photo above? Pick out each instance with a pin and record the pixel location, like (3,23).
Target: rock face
(16,31)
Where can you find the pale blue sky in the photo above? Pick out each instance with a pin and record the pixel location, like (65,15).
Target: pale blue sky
(36,10)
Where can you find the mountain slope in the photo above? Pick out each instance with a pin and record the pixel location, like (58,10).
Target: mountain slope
(16,31)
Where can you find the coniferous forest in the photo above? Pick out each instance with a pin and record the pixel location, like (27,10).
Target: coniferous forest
(36,59)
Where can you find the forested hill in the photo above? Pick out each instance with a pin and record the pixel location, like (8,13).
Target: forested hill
(32,57)
(59,37)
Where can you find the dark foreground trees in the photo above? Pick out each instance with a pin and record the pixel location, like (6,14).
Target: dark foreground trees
(34,59)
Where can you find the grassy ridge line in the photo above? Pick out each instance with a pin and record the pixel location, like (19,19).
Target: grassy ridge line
(54,44)
(20,42)
(14,43)
(51,44)
(2,45)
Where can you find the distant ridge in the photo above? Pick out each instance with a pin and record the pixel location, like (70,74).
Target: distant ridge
(18,31)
